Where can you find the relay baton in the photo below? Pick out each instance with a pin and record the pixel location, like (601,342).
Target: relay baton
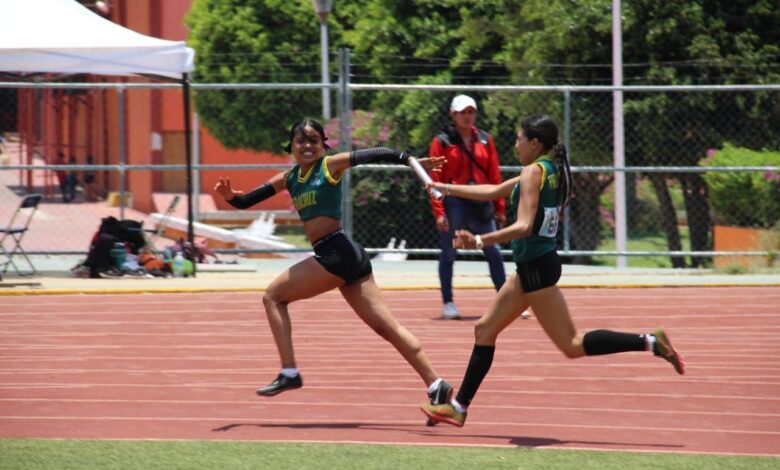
(425,178)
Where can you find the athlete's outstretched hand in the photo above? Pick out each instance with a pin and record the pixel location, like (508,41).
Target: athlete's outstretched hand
(432,163)
(464,239)
(224,189)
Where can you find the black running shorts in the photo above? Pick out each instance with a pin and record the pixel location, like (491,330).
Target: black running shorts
(340,255)
(541,272)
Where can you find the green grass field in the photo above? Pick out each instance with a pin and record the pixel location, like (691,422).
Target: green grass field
(644,242)
(75,454)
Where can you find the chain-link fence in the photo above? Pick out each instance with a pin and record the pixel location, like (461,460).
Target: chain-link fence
(689,167)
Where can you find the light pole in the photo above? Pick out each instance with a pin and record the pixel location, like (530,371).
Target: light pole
(618,135)
(322,7)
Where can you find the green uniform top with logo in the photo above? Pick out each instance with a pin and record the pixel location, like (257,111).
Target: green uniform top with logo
(542,238)
(316,193)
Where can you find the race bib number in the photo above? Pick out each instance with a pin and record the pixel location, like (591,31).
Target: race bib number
(550,223)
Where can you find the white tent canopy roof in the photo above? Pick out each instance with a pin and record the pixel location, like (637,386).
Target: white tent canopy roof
(62,36)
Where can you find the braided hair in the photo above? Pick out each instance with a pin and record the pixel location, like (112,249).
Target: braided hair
(544,129)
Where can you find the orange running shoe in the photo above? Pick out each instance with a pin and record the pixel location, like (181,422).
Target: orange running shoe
(663,348)
(444,414)
(441,395)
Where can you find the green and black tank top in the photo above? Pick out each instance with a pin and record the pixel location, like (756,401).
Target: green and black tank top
(542,238)
(316,193)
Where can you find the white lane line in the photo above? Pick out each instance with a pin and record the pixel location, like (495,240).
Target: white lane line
(389,404)
(188,386)
(243,418)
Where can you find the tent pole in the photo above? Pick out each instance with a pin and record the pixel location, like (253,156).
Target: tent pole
(185,81)
(122,118)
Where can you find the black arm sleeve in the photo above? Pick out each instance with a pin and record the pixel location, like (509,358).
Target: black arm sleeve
(377,154)
(259,194)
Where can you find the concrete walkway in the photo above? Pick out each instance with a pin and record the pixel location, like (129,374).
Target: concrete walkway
(54,277)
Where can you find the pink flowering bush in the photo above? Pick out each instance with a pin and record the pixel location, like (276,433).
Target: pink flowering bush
(744,198)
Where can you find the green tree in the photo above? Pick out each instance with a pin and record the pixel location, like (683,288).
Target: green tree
(258,41)
(562,42)
(692,42)
(712,42)
(509,41)
(425,42)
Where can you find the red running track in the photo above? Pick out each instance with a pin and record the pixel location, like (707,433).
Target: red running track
(185,366)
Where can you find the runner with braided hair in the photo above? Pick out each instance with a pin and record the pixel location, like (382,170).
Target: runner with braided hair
(538,194)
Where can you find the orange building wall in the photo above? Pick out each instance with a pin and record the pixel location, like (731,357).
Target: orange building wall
(172,110)
(146,112)
(739,239)
(138,112)
(213,153)
(139,131)
(173,14)
(171,119)
(49,119)
(112,123)
(137,16)
(75,131)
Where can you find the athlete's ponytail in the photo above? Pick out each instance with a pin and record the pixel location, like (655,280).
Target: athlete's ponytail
(562,161)
(544,129)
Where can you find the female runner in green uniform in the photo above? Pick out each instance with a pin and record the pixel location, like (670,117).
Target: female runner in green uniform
(539,193)
(338,262)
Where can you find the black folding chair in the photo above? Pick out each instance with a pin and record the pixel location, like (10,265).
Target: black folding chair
(15,234)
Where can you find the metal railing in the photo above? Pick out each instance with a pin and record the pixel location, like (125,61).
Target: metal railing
(575,135)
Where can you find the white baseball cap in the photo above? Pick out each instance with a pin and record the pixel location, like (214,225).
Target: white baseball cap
(461,102)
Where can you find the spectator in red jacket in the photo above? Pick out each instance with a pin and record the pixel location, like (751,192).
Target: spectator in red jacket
(471,159)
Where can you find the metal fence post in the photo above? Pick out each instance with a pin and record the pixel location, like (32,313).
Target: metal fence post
(618,137)
(195,166)
(567,143)
(345,135)
(122,150)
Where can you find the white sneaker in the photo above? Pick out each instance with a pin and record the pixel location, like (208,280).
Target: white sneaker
(450,312)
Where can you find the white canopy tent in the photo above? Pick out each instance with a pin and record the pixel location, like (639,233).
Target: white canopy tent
(63,36)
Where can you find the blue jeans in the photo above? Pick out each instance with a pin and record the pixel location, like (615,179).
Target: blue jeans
(462,216)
